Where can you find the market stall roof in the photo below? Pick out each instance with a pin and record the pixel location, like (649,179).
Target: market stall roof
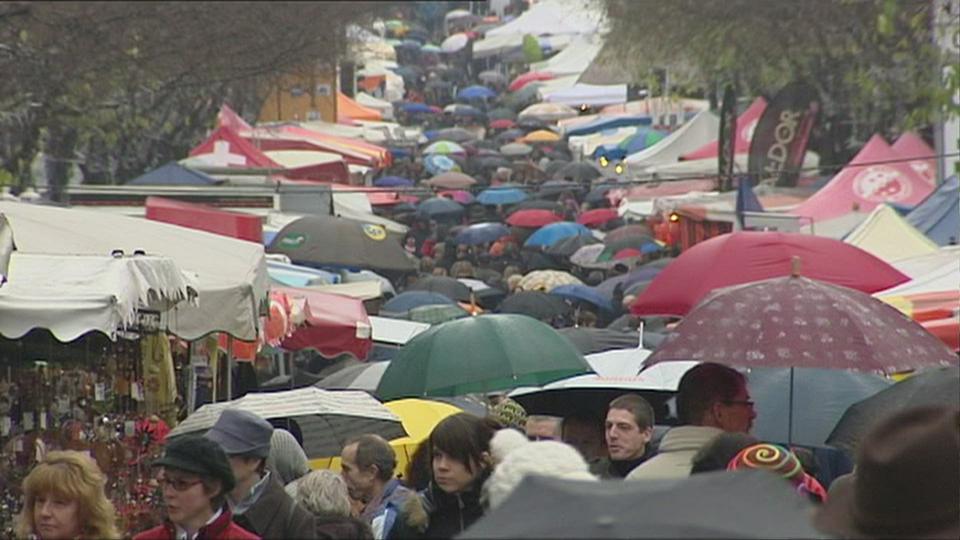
(174,174)
(746,123)
(593,95)
(231,275)
(553,17)
(334,324)
(922,157)
(72,295)
(384,107)
(700,129)
(226,148)
(205,218)
(889,237)
(938,216)
(573,59)
(348,109)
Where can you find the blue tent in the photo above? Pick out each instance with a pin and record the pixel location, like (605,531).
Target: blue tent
(494,196)
(938,216)
(550,234)
(174,174)
(609,122)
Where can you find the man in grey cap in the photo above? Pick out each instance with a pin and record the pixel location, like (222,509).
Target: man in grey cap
(259,502)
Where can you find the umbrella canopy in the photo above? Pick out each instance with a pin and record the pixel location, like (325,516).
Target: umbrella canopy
(439,207)
(597,217)
(595,340)
(627,231)
(501,123)
(551,169)
(548,112)
(419,417)
(451,180)
(393,181)
(582,293)
(481,354)
(735,504)
(458,195)
(540,136)
(492,77)
(431,48)
(532,218)
(800,322)
(325,418)
(482,233)
(462,110)
(568,246)
(930,387)
(742,257)
(578,171)
(476,92)
(363,377)
(501,113)
(416,108)
(643,273)
(536,304)
(552,233)
(536,204)
(495,196)
(587,255)
(444,285)
(436,314)
(633,246)
(508,136)
(526,78)
(546,280)
(456,134)
(552,188)
(516,149)
(439,164)
(408,300)
(336,241)
(444,147)
(454,43)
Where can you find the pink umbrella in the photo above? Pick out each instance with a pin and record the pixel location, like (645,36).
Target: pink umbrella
(459,195)
(529,77)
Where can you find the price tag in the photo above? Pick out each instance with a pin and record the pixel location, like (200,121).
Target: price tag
(99,391)
(28,421)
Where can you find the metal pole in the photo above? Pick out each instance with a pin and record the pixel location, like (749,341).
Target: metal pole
(790,415)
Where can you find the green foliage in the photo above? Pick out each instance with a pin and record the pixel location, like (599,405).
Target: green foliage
(531,49)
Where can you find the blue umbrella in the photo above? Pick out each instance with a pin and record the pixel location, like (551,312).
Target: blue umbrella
(393,181)
(583,293)
(414,107)
(481,233)
(438,207)
(438,163)
(476,92)
(432,134)
(494,196)
(550,234)
(406,301)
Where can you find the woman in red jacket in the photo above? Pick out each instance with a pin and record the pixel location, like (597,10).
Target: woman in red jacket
(196,477)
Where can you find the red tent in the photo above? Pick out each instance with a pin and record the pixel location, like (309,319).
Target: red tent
(922,160)
(205,218)
(526,78)
(348,109)
(335,324)
(746,123)
(871,178)
(354,151)
(227,117)
(225,148)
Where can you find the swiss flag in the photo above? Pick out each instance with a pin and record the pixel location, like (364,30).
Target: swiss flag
(225,148)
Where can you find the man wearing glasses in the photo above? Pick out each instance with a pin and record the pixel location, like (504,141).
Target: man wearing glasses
(711,399)
(195,477)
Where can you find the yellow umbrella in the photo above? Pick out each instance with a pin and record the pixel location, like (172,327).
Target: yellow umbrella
(546,281)
(419,417)
(539,136)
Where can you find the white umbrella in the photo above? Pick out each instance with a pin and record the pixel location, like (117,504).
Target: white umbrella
(454,43)
(548,112)
(619,369)
(516,149)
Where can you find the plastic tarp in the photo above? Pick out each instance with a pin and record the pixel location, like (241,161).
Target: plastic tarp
(866,182)
(385,107)
(574,59)
(173,174)
(335,324)
(941,279)
(230,275)
(205,218)
(586,145)
(700,129)
(72,295)
(888,236)
(348,109)
(938,216)
(587,94)
(552,17)
(920,265)
(605,122)
(746,123)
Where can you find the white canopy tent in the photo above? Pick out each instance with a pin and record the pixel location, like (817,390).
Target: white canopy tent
(593,95)
(230,275)
(700,130)
(709,166)
(574,59)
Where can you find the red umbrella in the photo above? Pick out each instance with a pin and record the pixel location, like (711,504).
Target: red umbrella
(800,322)
(742,257)
(597,217)
(529,77)
(532,218)
(627,254)
(335,324)
(627,231)
(503,123)
(459,195)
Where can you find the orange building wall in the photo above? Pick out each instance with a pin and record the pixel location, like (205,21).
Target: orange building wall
(283,104)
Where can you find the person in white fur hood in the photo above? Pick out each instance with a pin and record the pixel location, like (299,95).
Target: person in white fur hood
(515,457)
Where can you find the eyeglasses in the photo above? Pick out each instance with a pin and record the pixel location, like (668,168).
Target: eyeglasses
(535,438)
(178,484)
(744,402)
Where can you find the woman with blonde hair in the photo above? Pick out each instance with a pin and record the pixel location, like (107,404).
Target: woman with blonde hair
(64,498)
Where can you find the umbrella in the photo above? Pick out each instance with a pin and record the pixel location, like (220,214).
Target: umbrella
(439,207)
(408,300)
(444,285)
(336,241)
(494,196)
(532,123)
(438,163)
(516,149)
(458,195)
(577,171)
(508,135)
(481,354)
(582,293)
(444,147)
(540,136)
(419,417)
(930,387)
(799,322)
(454,43)
(364,376)
(482,233)
(730,504)
(436,314)
(526,78)
(595,340)
(640,140)
(742,257)
(462,110)
(393,181)
(627,231)
(491,162)
(501,113)
(491,77)
(587,255)
(532,218)
(549,234)
(643,273)
(325,419)
(548,112)
(568,246)
(554,166)
(556,187)
(431,48)
(502,123)
(597,194)
(536,304)
(416,108)
(456,134)
(451,180)
(476,92)
(546,280)
(597,217)
(536,204)
(633,246)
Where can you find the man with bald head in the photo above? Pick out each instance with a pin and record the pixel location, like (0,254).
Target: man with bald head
(367,464)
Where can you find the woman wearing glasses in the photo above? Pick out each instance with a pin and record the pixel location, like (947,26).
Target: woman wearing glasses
(64,499)
(195,476)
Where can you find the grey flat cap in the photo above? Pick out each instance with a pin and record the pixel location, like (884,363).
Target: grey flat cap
(242,432)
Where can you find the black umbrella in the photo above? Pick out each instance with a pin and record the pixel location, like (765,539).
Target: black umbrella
(598,193)
(336,241)
(456,134)
(535,204)
(578,171)
(569,245)
(594,340)
(554,166)
(737,504)
(509,135)
(536,304)
(439,207)
(552,188)
(530,123)
(501,113)
(939,386)
(444,285)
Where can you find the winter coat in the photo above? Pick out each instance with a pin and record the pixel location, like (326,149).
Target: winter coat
(275,515)
(332,527)
(222,528)
(382,514)
(675,457)
(434,513)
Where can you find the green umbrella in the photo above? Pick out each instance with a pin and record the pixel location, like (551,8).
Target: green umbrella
(478,355)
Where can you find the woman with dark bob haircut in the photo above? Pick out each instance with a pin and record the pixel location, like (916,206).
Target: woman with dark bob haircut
(459,449)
